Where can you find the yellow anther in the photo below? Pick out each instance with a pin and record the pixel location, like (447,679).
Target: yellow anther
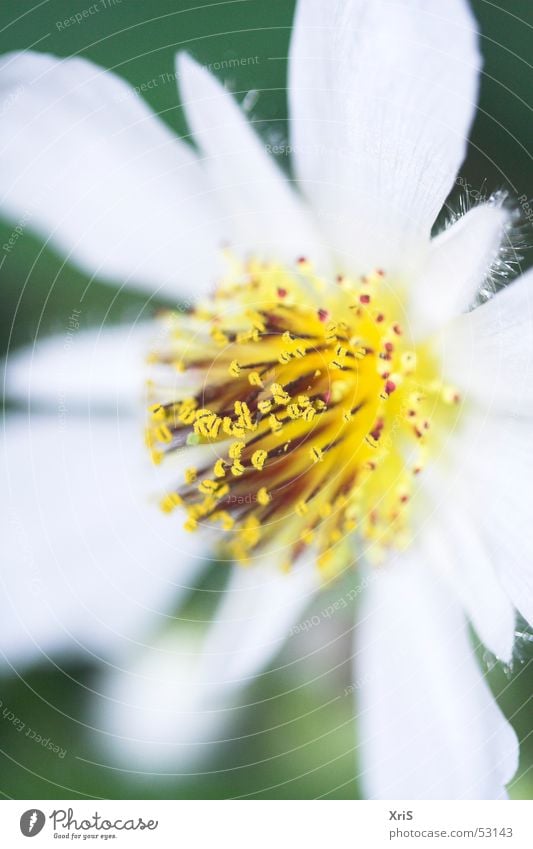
(294,412)
(218,336)
(207,487)
(340,502)
(263,496)
(234,369)
(170,501)
(316,454)
(254,378)
(219,469)
(285,357)
(264,407)
(251,523)
(213,429)
(227,425)
(207,424)
(309,413)
(191,474)
(275,424)
(187,412)
(244,417)
(226,520)
(157,412)
(324,559)
(163,433)
(251,532)
(248,336)
(256,319)
(235,450)
(237,469)
(307,536)
(202,314)
(201,427)
(279,394)
(156,456)
(191,524)
(204,413)
(301,508)
(331,331)
(259,459)
(165,505)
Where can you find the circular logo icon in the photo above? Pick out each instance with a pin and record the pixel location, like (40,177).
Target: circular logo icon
(32,822)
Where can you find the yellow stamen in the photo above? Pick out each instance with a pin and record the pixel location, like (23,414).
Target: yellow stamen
(315,386)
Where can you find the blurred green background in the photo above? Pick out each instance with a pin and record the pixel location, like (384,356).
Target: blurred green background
(311,753)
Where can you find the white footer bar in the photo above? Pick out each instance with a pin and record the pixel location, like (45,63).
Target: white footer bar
(267,824)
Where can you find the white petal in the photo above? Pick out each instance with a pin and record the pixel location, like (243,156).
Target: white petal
(459,262)
(146,710)
(454,546)
(177,696)
(91,563)
(259,209)
(381,99)
(488,352)
(495,456)
(83,370)
(429,725)
(259,607)
(85,162)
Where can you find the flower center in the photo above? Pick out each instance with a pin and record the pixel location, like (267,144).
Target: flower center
(312,412)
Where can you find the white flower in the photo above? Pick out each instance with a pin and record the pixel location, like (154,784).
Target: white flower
(381,99)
